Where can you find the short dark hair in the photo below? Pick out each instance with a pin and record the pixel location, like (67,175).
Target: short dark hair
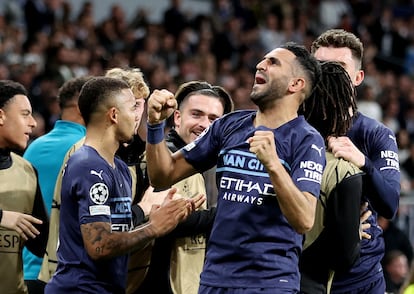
(201,87)
(9,89)
(309,63)
(97,91)
(69,92)
(187,89)
(339,38)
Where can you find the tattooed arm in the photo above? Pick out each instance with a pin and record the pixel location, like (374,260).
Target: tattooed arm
(100,242)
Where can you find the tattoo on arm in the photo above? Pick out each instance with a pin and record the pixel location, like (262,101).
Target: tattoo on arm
(101,242)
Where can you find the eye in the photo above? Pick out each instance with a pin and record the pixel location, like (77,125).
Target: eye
(212,118)
(273,61)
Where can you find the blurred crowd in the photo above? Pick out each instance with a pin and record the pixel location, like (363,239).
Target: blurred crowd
(43,43)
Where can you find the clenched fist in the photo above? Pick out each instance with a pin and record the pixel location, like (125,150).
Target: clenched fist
(161,104)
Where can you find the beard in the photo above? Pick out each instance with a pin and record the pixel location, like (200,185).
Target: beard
(265,95)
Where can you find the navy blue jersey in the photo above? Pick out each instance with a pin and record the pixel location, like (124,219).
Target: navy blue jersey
(92,191)
(382,180)
(252,245)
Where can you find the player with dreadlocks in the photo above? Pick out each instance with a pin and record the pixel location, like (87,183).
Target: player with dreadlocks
(333,243)
(372,147)
(330,115)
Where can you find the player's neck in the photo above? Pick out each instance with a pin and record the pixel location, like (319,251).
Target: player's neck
(275,117)
(104,144)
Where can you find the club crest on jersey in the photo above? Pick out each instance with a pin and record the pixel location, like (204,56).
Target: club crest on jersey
(99,193)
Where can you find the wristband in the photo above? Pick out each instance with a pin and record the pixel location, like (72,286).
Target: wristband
(155,133)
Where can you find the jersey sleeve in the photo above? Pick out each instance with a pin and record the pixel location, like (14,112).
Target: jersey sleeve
(91,188)
(382,177)
(309,163)
(205,146)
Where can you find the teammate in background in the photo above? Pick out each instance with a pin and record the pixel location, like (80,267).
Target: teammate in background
(19,190)
(372,147)
(96,226)
(46,154)
(268,176)
(333,243)
(176,263)
(131,154)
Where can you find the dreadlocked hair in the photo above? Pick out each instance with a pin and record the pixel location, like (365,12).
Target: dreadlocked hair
(330,106)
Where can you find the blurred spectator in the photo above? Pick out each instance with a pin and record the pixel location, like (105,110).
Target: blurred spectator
(270,33)
(395,239)
(408,165)
(331,12)
(395,270)
(408,285)
(175,20)
(367,103)
(40,16)
(403,142)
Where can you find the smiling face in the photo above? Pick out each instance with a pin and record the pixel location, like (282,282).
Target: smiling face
(196,114)
(16,123)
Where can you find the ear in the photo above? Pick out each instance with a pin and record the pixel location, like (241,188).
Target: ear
(359,77)
(296,85)
(2,116)
(177,118)
(113,114)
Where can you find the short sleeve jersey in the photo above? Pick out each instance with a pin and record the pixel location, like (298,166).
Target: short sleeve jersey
(92,191)
(251,243)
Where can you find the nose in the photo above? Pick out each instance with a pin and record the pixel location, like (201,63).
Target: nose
(204,122)
(32,122)
(261,65)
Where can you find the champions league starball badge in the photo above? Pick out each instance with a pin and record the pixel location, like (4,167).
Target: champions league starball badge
(99,193)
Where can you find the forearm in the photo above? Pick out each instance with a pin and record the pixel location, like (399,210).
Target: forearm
(298,207)
(102,243)
(166,169)
(382,190)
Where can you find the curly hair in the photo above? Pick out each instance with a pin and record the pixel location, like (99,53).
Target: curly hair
(133,77)
(340,38)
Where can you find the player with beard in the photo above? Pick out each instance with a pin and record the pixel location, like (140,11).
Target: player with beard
(269,169)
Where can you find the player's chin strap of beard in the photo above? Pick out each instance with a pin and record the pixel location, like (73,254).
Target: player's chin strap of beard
(130,153)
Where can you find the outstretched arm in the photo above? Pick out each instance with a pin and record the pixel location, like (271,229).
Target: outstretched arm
(165,168)
(101,242)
